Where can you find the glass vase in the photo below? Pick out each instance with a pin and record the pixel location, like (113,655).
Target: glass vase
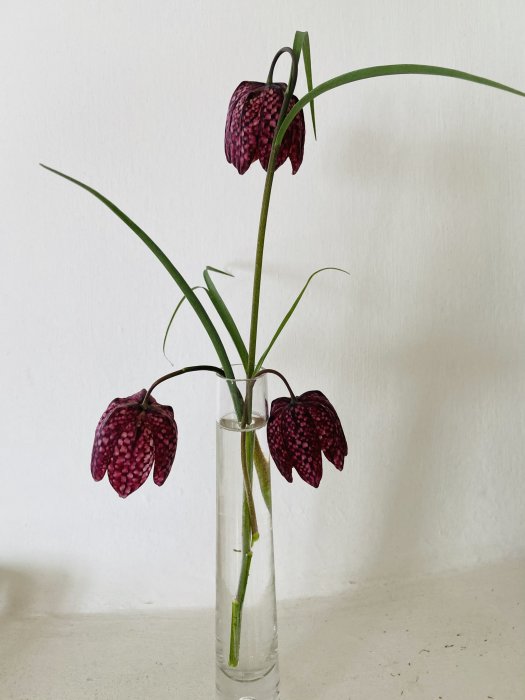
(246,619)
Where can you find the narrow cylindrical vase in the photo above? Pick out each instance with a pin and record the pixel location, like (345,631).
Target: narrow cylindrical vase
(246,620)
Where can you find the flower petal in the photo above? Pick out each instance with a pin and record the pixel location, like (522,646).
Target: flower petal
(328,425)
(279,404)
(269,116)
(232,131)
(297,134)
(303,444)
(237,95)
(292,145)
(277,442)
(132,458)
(329,435)
(242,126)
(160,421)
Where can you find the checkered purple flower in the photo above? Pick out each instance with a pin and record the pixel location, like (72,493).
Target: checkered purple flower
(299,430)
(130,439)
(250,126)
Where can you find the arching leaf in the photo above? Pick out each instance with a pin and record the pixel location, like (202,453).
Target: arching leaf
(225,314)
(290,312)
(379,71)
(170,267)
(183,299)
(301,44)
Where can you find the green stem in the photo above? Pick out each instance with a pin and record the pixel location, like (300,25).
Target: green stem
(263,219)
(247,554)
(177,373)
(262,372)
(256,293)
(247,452)
(247,473)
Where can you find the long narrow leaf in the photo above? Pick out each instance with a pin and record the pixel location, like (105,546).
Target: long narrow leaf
(301,44)
(262,467)
(378,71)
(170,267)
(225,314)
(183,299)
(290,312)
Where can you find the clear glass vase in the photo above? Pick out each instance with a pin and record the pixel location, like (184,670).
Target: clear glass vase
(246,619)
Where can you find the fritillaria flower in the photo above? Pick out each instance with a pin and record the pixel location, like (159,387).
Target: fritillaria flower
(299,429)
(250,126)
(130,438)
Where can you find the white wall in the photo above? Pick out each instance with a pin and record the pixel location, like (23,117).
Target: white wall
(415,185)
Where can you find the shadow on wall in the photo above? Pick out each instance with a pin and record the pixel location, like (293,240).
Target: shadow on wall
(27,592)
(459,358)
(443,375)
(445,354)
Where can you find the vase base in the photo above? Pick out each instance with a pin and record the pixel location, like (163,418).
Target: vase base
(266,688)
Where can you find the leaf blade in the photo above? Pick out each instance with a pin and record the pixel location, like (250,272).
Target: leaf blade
(182,300)
(224,313)
(166,262)
(380,71)
(290,312)
(262,467)
(301,44)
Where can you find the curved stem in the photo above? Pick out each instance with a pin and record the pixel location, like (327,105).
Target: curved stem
(264,211)
(178,372)
(247,478)
(281,377)
(293,76)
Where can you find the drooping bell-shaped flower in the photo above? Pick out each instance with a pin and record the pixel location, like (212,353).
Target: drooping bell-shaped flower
(131,439)
(299,429)
(250,127)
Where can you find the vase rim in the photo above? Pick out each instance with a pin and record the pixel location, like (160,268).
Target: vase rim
(237,380)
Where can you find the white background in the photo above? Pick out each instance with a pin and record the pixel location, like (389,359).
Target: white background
(415,186)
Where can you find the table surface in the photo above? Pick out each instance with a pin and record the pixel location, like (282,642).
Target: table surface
(459,636)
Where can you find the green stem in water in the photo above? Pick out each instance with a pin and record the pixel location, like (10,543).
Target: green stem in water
(247,541)
(178,372)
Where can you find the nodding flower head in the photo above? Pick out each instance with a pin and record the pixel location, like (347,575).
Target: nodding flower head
(250,127)
(299,429)
(131,439)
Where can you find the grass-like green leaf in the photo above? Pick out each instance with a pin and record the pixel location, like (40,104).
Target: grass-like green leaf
(301,44)
(290,312)
(379,71)
(225,314)
(183,299)
(170,267)
(262,467)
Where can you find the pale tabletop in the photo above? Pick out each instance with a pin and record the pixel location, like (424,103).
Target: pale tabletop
(450,637)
